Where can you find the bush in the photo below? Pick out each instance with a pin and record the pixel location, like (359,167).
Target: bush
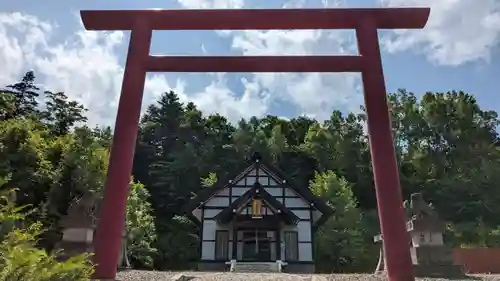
(20,259)
(140,227)
(340,239)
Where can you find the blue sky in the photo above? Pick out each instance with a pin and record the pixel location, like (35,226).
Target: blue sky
(457,50)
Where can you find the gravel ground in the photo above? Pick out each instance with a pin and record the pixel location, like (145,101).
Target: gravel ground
(136,275)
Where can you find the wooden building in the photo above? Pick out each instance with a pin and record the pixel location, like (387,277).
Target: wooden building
(258,217)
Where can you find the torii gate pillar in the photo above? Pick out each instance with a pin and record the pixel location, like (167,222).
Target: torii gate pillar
(366,22)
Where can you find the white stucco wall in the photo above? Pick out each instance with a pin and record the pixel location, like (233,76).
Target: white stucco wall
(209,231)
(292,201)
(303,229)
(218,202)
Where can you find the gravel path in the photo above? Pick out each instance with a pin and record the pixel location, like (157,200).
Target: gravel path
(136,275)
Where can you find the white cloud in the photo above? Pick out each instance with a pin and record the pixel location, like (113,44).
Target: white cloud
(458,31)
(12,51)
(252,102)
(312,94)
(87,69)
(216,97)
(85,66)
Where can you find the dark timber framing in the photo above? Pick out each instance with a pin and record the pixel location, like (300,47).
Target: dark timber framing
(256,191)
(226,208)
(286,182)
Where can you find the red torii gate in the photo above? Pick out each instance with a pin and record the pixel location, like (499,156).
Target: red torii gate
(366,22)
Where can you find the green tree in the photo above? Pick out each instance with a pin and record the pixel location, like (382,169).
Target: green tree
(23,156)
(340,240)
(62,114)
(20,259)
(446,144)
(140,227)
(7,105)
(178,245)
(447,147)
(25,93)
(210,180)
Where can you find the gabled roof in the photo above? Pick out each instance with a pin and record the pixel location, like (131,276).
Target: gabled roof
(255,162)
(257,192)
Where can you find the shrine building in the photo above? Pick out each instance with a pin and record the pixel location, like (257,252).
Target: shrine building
(259,218)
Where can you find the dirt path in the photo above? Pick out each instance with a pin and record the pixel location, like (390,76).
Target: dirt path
(136,275)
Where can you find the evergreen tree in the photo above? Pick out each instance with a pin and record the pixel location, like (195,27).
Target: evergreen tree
(61,114)
(25,94)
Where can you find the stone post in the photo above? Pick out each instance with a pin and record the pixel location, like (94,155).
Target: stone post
(123,262)
(78,227)
(429,254)
(381,258)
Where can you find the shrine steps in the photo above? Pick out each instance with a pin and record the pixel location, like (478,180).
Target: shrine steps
(256,267)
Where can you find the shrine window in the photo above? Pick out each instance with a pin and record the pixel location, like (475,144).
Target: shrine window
(291,245)
(221,244)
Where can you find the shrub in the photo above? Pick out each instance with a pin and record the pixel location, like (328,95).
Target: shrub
(140,227)
(20,259)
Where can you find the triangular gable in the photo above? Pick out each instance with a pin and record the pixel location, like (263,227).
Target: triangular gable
(243,209)
(257,191)
(273,172)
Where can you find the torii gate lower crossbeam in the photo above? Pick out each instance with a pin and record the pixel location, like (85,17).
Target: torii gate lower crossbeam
(366,22)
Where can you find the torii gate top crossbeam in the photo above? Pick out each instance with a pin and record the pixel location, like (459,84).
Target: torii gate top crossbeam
(144,21)
(392,18)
